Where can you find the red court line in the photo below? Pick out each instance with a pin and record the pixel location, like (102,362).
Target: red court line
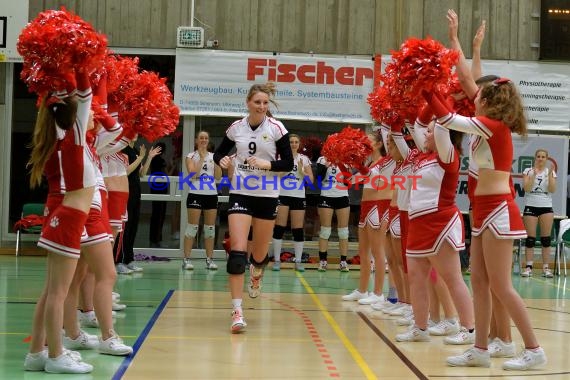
(317,341)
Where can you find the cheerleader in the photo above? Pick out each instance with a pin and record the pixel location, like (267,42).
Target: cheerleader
(499,112)
(60,152)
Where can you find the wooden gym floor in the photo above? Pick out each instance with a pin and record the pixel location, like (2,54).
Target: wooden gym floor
(178,321)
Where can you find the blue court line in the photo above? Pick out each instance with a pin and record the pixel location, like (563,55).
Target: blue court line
(127,361)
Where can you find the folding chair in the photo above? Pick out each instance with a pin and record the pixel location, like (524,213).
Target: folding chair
(30,222)
(562,241)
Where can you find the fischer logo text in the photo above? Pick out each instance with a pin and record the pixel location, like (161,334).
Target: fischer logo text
(319,73)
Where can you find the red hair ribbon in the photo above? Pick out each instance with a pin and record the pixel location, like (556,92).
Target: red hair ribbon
(500,81)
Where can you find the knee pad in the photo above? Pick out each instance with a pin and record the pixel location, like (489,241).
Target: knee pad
(237,261)
(545,241)
(278,232)
(325,233)
(250,234)
(530,241)
(342,233)
(191,230)
(262,264)
(209,231)
(298,234)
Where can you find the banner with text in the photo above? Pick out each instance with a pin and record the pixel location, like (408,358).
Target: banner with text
(320,88)
(523,158)
(335,88)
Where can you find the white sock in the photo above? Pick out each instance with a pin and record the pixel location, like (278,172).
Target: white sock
(236,303)
(298,250)
(277,243)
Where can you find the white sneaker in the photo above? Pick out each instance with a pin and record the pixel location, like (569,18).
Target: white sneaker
(472,357)
(413,334)
(394,306)
(527,272)
(255,277)
(355,295)
(118,306)
(343,266)
(527,359)
(379,306)
(187,264)
(87,319)
(35,361)
(406,320)
(299,267)
(67,363)
(322,266)
(444,327)
(114,346)
(238,322)
(400,311)
(210,264)
(462,337)
(371,299)
(546,272)
(83,341)
(123,269)
(499,349)
(276,266)
(135,268)
(116,297)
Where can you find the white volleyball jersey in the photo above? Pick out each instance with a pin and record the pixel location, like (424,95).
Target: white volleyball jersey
(538,196)
(248,180)
(330,186)
(203,181)
(292,184)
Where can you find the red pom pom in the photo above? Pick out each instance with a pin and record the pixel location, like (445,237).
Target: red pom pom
(418,65)
(349,147)
(148,107)
(53,45)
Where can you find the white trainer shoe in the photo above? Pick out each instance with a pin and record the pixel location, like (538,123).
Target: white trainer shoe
(35,361)
(472,357)
(462,337)
(343,266)
(527,272)
(322,266)
(400,310)
(123,269)
(380,306)
(238,322)
(355,295)
(255,277)
(84,341)
(499,349)
(210,264)
(118,306)
(527,359)
(116,296)
(413,334)
(371,299)
(445,327)
(134,267)
(187,264)
(67,363)
(114,346)
(87,319)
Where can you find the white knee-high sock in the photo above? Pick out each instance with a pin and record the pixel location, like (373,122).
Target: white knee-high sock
(277,243)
